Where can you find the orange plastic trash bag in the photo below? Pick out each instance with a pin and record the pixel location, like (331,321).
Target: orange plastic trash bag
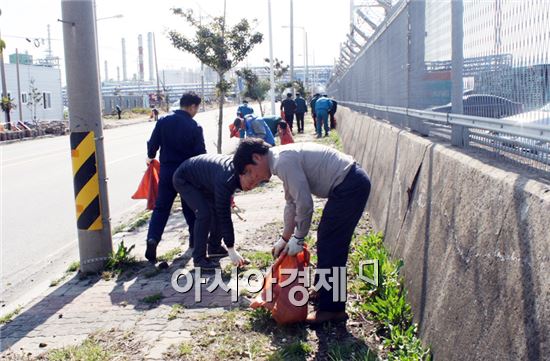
(286,305)
(149,185)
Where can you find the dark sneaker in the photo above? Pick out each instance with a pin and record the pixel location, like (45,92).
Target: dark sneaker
(326,134)
(151,251)
(319,136)
(206,264)
(217,251)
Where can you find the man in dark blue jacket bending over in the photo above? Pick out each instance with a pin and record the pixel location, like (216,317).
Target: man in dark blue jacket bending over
(179,138)
(207,183)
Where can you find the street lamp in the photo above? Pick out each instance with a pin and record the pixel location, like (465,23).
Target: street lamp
(306,63)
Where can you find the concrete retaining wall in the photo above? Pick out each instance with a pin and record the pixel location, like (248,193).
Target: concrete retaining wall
(475,241)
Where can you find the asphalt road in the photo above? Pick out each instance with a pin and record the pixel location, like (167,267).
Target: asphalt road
(37,213)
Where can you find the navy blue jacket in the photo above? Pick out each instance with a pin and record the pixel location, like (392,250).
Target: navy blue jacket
(301,106)
(214,176)
(179,138)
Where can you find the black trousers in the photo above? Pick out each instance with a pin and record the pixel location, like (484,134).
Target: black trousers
(205,231)
(289,118)
(300,121)
(342,212)
(165,199)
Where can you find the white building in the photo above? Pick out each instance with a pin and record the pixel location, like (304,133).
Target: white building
(46,82)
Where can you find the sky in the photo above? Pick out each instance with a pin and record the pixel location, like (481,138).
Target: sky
(325,21)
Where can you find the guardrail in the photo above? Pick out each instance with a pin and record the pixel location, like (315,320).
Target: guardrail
(530,141)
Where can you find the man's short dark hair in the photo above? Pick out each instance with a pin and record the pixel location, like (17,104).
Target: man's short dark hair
(282,124)
(190,98)
(298,94)
(245,151)
(288,95)
(245,101)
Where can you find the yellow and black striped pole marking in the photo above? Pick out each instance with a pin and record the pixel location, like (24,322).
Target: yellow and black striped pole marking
(86,181)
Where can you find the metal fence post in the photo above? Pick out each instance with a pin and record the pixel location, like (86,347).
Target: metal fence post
(415,63)
(459,134)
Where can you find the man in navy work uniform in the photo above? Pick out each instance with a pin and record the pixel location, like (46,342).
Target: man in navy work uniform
(301,109)
(179,138)
(288,106)
(308,169)
(207,183)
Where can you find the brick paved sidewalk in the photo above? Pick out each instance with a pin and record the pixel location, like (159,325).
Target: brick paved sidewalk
(78,307)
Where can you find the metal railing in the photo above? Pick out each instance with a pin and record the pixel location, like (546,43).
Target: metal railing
(531,141)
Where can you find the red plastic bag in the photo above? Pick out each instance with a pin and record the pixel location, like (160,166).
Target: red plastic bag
(149,185)
(280,305)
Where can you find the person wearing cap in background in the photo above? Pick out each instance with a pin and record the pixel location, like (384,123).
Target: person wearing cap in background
(179,138)
(322,107)
(288,106)
(244,109)
(301,109)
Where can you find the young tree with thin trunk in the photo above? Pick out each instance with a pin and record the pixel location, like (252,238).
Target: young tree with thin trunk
(218,47)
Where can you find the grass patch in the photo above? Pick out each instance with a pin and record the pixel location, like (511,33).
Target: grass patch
(350,350)
(297,350)
(153,299)
(73,267)
(333,140)
(258,259)
(386,302)
(9,316)
(58,281)
(101,346)
(90,349)
(176,310)
(139,220)
(118,262)
(170,255)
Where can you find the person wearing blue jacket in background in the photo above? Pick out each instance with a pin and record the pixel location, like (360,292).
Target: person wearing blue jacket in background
(256,127)
(322,107)
(244,109)
(179,138)
(301,109)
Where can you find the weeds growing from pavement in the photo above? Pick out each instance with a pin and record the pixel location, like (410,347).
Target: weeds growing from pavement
(170,255)
(153,299)
(8,317)
(385,303)
(176,310)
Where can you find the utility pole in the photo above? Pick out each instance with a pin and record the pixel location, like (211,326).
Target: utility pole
(271,75)
(156,68)
(4,87)
(291,43)
(202,69)
(18,85)
(85,123)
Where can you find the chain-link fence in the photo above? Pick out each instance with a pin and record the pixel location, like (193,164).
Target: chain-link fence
(488,60)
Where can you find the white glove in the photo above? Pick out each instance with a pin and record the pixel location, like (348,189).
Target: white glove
(235,257)
(294,246)
(278,247)
(148,160)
